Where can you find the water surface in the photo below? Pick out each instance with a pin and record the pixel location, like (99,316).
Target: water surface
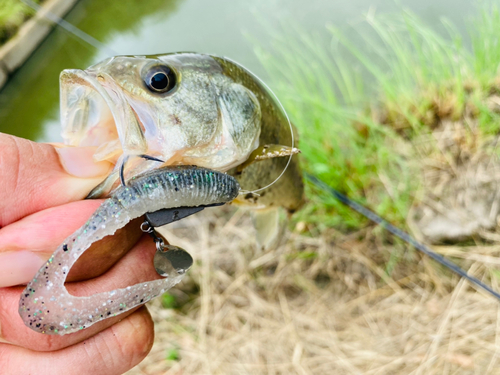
(29,103)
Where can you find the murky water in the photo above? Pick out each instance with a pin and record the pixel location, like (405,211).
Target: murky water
(29,103)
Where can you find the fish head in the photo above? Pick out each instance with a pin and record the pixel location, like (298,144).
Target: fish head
(182,108)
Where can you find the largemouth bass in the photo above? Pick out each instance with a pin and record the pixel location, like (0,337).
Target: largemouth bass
(182,108)
(183,130)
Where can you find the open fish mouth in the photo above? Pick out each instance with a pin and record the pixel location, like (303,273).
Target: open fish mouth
(94,112)
(84,102)
(205,118)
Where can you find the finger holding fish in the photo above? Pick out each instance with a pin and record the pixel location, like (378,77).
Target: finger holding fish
(112,351)
(32,229)
(133,268)
(27,244)
(47,307)
(39,200)
(37,176)
(41,192)
(169,110)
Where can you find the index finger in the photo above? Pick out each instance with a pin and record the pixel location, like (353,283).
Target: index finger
(35,176)
(135,267)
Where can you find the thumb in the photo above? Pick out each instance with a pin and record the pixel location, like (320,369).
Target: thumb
(36,176)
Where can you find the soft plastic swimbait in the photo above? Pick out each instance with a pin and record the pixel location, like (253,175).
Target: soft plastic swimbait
(47,307)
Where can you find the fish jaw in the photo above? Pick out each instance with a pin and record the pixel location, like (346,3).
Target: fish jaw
(95,113)
(209,119)
(83,107)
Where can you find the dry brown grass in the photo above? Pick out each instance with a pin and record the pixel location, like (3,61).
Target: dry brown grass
(356,303)
(349,303)
(460,183)
(321,305)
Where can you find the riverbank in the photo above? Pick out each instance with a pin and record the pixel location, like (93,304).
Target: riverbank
(29,36)
(340,295)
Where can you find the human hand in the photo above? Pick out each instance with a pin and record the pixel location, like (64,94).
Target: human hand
(41,192)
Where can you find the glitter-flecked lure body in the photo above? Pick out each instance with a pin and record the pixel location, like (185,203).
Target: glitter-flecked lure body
(47,307)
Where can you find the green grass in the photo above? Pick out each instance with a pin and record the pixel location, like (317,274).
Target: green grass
(168,301)
(172,355)
(12,15)
(358,106)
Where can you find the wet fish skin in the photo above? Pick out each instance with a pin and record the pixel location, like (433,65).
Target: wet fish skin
(217,114)
(288,191)
(205,120)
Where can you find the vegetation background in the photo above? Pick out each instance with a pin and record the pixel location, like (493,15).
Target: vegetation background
(400,116)
(12,15)
(404,119)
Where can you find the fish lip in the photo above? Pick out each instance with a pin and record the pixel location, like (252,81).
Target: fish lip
(71,83)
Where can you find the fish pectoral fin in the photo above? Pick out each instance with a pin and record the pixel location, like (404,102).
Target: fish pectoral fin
(269,225)
(268,152)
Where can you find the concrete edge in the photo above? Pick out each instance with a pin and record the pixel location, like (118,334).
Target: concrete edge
(17,50)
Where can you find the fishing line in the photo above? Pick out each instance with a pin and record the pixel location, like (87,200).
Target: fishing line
(399,233)
(289,124)
(97,44)
(69,27)
(322,185)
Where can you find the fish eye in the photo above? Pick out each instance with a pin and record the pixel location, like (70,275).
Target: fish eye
(160,78)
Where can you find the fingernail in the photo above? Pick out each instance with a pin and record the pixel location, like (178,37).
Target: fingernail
(79,162)
(18,267)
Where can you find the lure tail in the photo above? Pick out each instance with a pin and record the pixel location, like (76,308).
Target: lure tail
(47,307)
